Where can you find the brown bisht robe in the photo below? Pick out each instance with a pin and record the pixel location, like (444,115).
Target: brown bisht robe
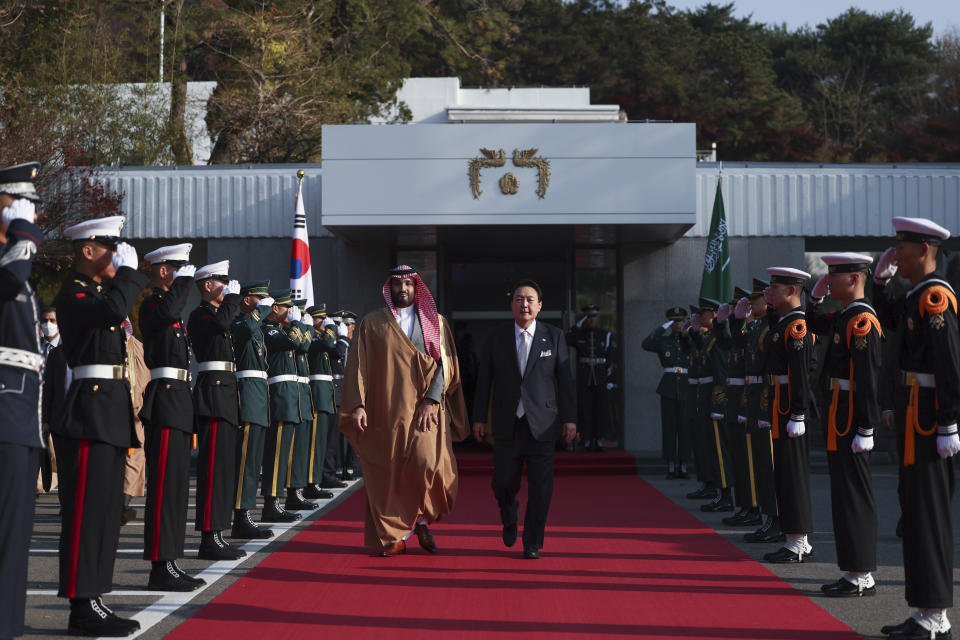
(407,473)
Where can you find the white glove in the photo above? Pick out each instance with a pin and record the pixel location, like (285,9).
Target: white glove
(742,419)
(862,444)
(795,429)
(822,289)
(126,256)
(886,266)
(327,322)
(294,315)
(186,271)
(695,322)
(265,302)
(685,327)
(19,209)
(716,416)
(232,287)
(666,325)
(763,424)
(307,319)
(342,330)
(948,446)
(743,309)
(723,312)
(610,386)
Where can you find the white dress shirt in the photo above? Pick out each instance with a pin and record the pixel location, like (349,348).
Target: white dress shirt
(523,356)
(406,319)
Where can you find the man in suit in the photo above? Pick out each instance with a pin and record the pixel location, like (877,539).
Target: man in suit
(525,365)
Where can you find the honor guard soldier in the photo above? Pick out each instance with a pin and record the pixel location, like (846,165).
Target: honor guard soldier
(351,466)
(789,345)
(96,428)
(752,312)
(167,417)
(251,357)
(675,433)
(298,471)
(283,339)
(927,414)
(21,440)
(335,440)
(689,327)
(322,348)
(852,365)
(595,349)
(733,431)
(217,408)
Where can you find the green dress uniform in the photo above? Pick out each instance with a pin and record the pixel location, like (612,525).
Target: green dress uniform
(733,432)
(297,471)
(672,389)
(693,409)
(322,348)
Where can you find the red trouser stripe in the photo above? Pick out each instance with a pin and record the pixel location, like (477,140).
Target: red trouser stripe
(83,456)
(158,501)
(211,457)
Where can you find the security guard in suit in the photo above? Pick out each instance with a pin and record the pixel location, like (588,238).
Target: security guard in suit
(96,426)
(298,470)
(167,417)
(665,342)
(595,361)
(322,347)
(251,357)
(21,441)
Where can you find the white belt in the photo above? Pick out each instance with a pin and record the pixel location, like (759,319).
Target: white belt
(283,378)
(736,382)
(21,359)
(784,379)
(169,372)
(843,383)
(693,381)
(674,370)
(754,379)
(252,373)
(923,379)
(338,376)
(216,365)
(593,360)
(100,371)
(303,379)
(706,380)
(321,376)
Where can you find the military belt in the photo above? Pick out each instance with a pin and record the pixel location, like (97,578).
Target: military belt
(674,370)
(593,361)
(21,359)
(216,365)
(169,372)
(706,380)
(283,378)
(100,371)
(303,379)
(321,377)
(754,379)
(736,382)
(252,373)
(775,380)
(907,378)
(338,376)
(843,383)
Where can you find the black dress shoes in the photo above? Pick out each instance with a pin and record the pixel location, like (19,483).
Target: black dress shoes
(843,588)
(245,529)
(510,534)
(703,494)
(425,538)
(744,519)
(718,504)
(313,492)
(531,553)
(682,475)
(671,475)
(272,512)
(911,630)
(785,556)
(333,484)
(90,617)
(164,576)
(766,533)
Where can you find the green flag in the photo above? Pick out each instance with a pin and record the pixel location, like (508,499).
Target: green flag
(716,283)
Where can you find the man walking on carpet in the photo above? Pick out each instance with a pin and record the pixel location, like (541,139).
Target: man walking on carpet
(402,407)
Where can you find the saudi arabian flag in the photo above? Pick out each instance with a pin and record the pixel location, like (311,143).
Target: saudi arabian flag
(716,283)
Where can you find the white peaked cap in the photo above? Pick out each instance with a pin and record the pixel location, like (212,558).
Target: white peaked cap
(920,228)
(847,257)
(787,273)
(172,253)
(107,229)
(218,270)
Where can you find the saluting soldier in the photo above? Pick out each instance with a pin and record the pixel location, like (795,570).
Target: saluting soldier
(251,358)
(595,351)
(217,408)
(298,471)
(852,365)
(927,415)
(789,345)
(689,327)
(733,432)
(283,338)
(752,311)
(336,443)
(96,427)
(322,347)
(167,417)
(21,440)
(674,428)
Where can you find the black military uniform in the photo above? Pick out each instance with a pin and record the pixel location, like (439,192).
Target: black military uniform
(322,348)
(20,363)
(217,409)
(298,470)
(675,432)
(95,430)
(337,446)
(595,362)
(251,357)
(168,422)
(852,366)
(693,412)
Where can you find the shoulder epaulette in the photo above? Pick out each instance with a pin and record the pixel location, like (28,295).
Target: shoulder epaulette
(861,325)
(936,299)
(797,330)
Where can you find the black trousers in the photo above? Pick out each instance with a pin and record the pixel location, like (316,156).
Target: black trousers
(735,437)
(298,470)
(249,460)
(791,471)
(701,458)
(91,490)
(276,458)
(168,489)
(592,409)
(332,457)
(508,460)
(760,449)
(852,505)
(18,477)
(216,473)
(322,423)
(674,429)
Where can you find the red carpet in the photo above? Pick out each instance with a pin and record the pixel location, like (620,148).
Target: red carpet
(621,560)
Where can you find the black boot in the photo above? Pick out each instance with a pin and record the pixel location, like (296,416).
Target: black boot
(90,617)
(183,574)
(165,577)
(272,512)
(213,547)
(704,493)
(295,501)
(723,502)
(245,529)
(314,492)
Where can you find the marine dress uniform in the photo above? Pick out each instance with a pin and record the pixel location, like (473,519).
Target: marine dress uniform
(674,428)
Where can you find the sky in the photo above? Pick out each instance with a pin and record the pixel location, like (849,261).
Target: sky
(944,14)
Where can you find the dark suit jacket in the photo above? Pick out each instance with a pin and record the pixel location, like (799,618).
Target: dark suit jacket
(549,398)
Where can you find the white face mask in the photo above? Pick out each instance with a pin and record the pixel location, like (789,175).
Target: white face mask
(49,329)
